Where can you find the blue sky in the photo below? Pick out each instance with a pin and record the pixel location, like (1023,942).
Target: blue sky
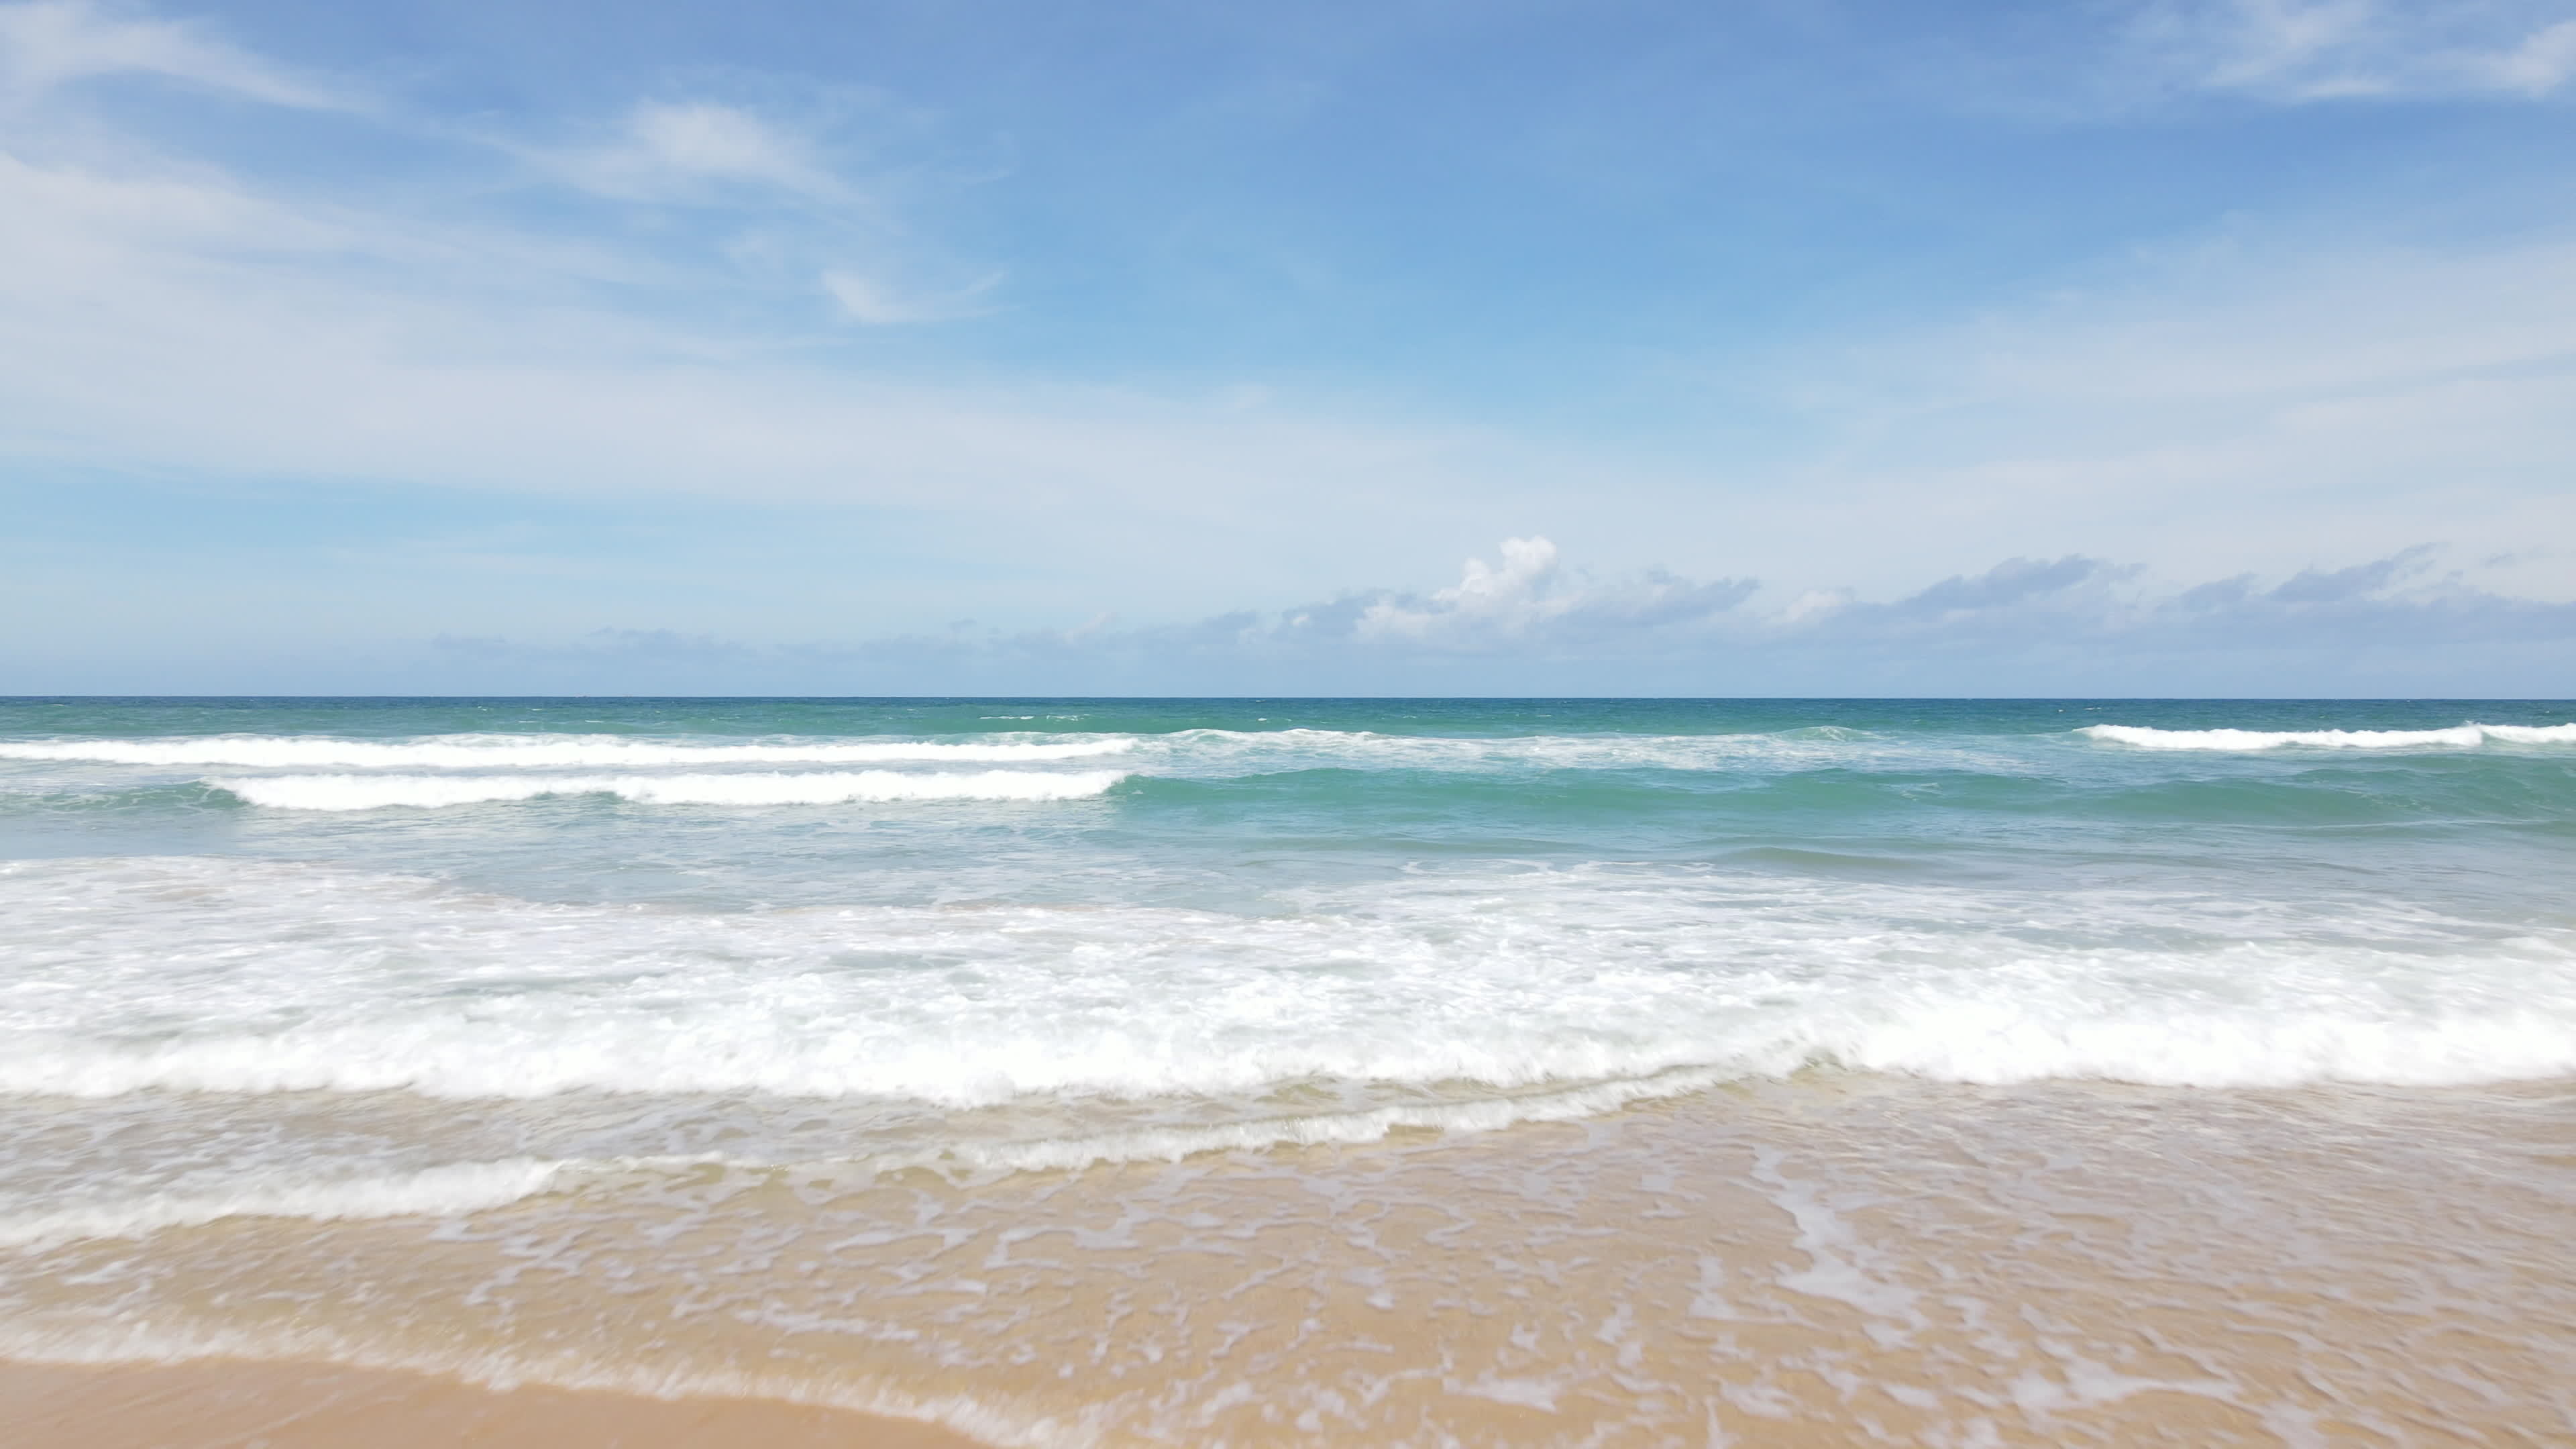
(2129,348)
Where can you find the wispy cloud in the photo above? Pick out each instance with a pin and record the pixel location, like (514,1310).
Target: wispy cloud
(699,305)
(2246,401)
(712,156)
(54,43)
(873,302)
(2323,50)
(2541,64)
(407,350)
(694,150)
(165,314)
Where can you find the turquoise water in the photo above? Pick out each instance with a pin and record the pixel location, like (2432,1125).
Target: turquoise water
(1966,787)
(1003,933)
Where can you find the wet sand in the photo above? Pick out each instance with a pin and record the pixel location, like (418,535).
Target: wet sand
(1833,1261)
(234,1404)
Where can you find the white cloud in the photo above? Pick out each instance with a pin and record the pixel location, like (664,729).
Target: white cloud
(183,323)
(53,43)
(2397,625)
(2256,404)
(875,303)
(1529,625)
(1531,604)
(2319,50)
(2261,405)
(2264,399)
(2541,64)
(163,315)
(1510,599)
(731,160)
(1528,601)
(681,150)
(178,321)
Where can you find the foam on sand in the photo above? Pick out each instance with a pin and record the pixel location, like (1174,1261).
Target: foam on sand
(435,1191)
(452,1189)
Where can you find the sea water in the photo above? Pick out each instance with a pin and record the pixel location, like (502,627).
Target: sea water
(655,1000)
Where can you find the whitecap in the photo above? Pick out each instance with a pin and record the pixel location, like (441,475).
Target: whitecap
(2458,737)
(375,792)
(551,752)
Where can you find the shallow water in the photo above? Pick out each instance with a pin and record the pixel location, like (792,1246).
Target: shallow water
(1395,1071)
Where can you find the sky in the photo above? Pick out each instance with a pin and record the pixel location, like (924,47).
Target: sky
(1730,347)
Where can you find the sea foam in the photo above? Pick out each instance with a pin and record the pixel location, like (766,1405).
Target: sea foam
(434,1191)
(450,1189)
(1219,751)
(239,976)
(549,752)
(2467,736)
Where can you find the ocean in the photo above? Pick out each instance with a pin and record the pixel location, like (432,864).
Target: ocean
(1068,1071)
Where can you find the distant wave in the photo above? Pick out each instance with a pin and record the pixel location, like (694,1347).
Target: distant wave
(508,752)
(1191,750)
(1366,749)
(375,792)
(1195,749)
(2467,736)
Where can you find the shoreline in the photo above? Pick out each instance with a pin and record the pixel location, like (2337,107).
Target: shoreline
(228,1403)
(1788,1263)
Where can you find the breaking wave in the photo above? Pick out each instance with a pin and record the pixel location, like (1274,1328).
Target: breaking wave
(376,792)
(2458,737)
(548,752)
(298,979)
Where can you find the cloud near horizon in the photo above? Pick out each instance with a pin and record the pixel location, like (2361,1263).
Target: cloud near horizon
(326,337)
(1527,624)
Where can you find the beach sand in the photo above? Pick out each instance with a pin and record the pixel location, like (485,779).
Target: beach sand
(1834,1260)
(234,1403)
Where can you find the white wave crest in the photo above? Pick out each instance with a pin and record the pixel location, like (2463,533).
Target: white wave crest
(1305,748)
(184,974)
(1967,1038)
(2458,737)
(375,792)
(549,752)
(435,1191)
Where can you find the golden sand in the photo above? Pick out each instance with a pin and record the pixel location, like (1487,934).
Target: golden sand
(236,1404)
(1837,1261)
